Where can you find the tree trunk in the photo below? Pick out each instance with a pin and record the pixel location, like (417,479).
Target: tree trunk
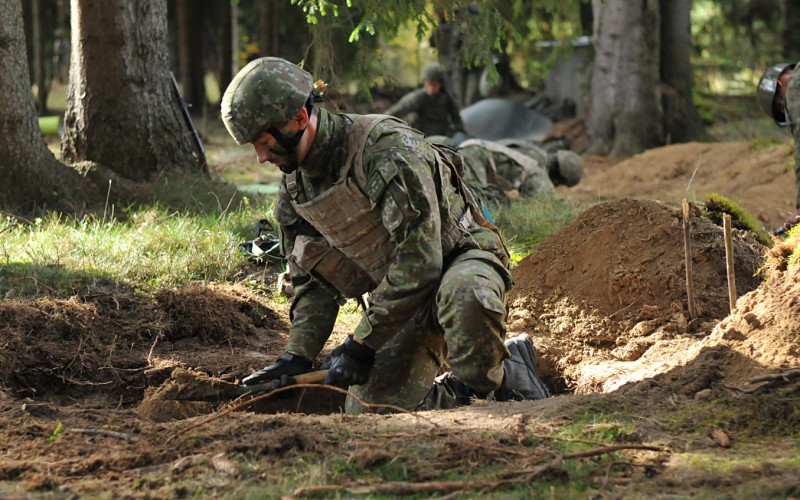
(791,33)
(625,115)
(681,120)
(226,70)
(121,110)
(31,176)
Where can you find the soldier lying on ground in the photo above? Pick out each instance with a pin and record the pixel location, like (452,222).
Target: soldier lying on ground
(511,168)
(366,205)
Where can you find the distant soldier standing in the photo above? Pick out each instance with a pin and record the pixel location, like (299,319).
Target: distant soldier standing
(366,205)
(778,95)
(430,109)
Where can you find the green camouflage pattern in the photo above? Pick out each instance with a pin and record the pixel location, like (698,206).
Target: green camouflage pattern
(465,326)
(793,116)
(267,92)
(468,288)
(430,114)
(509,173)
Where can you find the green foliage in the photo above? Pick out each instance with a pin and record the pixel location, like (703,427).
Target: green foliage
(705,107)
(716,205)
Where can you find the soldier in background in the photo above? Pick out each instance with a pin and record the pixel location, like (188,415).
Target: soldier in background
(429,109)
(366,205)
(778,95)
(508,169)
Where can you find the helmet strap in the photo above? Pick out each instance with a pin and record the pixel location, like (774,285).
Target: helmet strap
(288,143)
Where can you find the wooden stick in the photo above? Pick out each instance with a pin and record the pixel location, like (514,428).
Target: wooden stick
(687,250)
(726,226)
(103,432)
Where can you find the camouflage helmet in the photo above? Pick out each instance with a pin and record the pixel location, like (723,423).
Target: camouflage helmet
(433,72)
(570,166)
(268,92)
(765,92)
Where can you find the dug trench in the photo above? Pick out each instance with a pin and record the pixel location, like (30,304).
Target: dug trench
(604,300)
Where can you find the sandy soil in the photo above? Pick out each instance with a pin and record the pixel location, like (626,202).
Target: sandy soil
(87,408)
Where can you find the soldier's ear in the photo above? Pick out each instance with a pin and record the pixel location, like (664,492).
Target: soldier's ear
(301,118)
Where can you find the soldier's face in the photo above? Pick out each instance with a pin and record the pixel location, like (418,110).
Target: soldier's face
(432,87)
(268,150)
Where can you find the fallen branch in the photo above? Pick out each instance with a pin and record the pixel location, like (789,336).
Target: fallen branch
(405,488)
(785,375)
(729,265)
(612,449)
(103,432)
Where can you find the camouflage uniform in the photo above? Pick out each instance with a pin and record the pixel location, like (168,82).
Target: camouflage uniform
(440,295)
(793,116)
(431,114)
(495,168)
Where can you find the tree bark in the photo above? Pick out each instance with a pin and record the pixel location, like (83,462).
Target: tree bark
(791,33)
(121,110)
(31,176)
(625,114)
(681,120)
(226,70)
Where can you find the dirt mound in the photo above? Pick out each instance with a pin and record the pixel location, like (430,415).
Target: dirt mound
(606,296)
(759,179)
(113,346)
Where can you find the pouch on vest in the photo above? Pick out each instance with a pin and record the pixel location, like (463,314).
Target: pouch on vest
(325,263)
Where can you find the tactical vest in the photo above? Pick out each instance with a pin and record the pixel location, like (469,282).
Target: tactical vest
(355,251)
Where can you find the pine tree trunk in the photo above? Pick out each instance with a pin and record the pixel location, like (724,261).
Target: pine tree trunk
(625,115)
(31,176)
(681,120)
(121,109)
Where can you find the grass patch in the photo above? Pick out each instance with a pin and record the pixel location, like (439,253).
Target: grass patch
(146,248)
(717,205)
(530,221)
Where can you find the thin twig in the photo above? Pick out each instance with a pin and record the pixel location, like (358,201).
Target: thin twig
(108,195)
(103,432)
(245,404)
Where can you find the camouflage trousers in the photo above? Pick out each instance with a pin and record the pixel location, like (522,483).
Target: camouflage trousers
(464,327)
(793,115)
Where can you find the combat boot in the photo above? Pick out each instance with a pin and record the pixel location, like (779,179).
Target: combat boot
(520,380)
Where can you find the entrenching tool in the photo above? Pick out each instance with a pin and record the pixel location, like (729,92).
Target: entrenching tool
(183,388)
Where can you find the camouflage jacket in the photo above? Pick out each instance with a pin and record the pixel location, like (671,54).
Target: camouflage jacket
(431,114)
(492,172)
(793,116)
(411,204)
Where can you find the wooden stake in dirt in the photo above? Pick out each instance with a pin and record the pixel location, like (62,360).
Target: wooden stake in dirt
(687,250)
(726,226)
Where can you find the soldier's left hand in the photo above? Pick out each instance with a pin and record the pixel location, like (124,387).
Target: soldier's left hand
(351,364)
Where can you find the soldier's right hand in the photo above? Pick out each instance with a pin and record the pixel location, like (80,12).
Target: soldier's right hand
(287,364)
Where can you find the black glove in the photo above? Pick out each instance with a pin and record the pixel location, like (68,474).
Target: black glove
(351,363)
(286,364)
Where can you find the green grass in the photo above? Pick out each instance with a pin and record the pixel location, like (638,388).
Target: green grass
(146,248)
(530,221)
